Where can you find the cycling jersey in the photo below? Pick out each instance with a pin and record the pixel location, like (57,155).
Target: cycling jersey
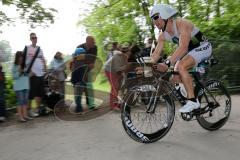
(197,38)
(199,47)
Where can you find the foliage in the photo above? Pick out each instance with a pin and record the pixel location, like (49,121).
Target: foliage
(115,21)
(228,69)
(29,11)
(10,95)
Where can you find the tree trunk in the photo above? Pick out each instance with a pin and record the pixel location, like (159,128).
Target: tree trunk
(218,8)
(180,8)
(208,9)
(145,6)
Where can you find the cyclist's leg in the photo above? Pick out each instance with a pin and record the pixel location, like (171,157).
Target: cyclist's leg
(194,57)
(183,66)
(190,60)
(186,63)
(176,78)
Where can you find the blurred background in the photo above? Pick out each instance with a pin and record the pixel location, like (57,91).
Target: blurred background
(62,25)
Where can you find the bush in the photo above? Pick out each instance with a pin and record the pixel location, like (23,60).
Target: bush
(10,96)
(228,69)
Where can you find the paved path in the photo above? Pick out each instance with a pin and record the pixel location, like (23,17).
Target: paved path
(103,138)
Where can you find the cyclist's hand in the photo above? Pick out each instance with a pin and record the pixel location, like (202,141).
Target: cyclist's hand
(162,67)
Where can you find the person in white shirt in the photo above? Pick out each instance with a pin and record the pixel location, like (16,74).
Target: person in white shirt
(36,73)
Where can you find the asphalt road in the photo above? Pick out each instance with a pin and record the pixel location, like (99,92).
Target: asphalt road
(103,138)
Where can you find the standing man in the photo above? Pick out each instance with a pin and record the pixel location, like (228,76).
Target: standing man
(91,54)
(78,68)
(36,73)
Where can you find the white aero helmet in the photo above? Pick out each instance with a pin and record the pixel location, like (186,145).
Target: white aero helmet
(165,11)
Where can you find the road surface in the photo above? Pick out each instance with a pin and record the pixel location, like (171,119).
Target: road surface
(103,138)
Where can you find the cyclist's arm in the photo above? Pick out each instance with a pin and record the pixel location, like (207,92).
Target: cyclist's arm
(158,50)
(185,36)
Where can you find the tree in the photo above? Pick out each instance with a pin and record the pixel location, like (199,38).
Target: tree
(29,11)
(119,20)
(123,20)
(113,22)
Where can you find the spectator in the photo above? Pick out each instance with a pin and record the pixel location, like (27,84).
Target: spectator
(91,54)
(78,68)
(114,47)
(148,47)
(58,68)
(36,74)
(114,70)
(21,87)
(2,98)
(135,53)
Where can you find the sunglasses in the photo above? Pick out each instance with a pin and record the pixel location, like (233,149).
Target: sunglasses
(155,17)
(33,37)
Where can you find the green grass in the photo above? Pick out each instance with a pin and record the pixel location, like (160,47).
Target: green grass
(101,83)
(102,86)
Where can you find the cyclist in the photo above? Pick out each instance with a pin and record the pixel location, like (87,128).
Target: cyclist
(193,48)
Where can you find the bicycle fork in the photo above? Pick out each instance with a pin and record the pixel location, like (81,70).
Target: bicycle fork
(153,101)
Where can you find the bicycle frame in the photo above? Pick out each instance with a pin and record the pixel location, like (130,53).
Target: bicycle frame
(199,90)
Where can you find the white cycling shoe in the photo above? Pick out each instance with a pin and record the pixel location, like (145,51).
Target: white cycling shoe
(189,106)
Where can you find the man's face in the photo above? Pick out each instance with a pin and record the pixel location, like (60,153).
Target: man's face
(90,42)
(58,55)
(33,38)
(158,21)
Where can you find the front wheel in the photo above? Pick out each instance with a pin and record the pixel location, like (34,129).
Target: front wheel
(141,125)
(216,100)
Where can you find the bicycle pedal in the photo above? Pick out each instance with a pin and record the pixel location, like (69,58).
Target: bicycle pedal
(187,116)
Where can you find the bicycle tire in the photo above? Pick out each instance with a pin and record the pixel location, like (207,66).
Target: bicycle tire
(214,86)
(129,125)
